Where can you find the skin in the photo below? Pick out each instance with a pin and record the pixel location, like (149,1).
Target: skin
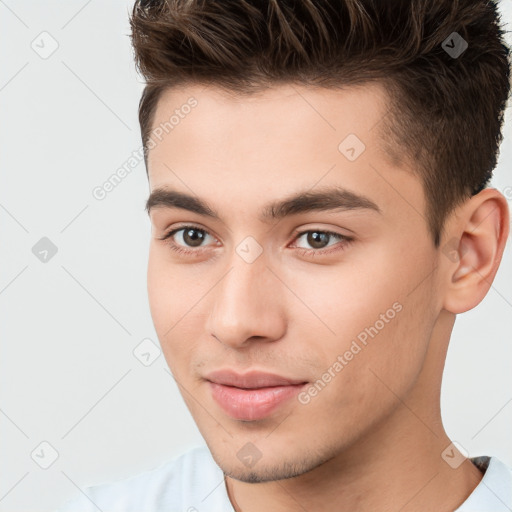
(372,439)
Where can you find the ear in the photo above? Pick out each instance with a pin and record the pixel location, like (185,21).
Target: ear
(473,248)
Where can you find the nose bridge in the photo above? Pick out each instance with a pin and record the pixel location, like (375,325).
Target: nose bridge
(246,301)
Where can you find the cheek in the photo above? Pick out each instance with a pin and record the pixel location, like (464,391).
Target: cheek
(167,295)
(160,292)
(174,294)
(170,288)
(345,299)
(375,316)
(363,387)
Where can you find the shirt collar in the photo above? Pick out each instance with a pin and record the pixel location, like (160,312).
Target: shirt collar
(494,492)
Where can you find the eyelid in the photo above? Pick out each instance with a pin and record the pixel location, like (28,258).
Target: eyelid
(300,232)
(174,230)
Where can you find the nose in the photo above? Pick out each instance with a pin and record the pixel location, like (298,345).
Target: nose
(247,305)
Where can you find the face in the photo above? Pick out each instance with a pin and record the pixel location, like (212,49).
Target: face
(332,292)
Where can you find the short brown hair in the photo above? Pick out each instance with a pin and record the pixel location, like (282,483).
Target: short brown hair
(445,112)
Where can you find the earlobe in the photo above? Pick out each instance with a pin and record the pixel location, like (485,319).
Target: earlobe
(475,250)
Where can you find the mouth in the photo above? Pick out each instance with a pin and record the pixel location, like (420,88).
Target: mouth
(251,396)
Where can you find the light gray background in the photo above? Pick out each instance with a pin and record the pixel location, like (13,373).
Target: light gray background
(70,325)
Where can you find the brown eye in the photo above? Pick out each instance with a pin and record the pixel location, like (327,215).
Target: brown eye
(187,238)
(317,239)
(193,237)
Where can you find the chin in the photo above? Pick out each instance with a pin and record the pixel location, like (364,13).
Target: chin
(266,471)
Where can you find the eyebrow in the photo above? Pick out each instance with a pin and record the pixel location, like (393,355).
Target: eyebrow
(326,199)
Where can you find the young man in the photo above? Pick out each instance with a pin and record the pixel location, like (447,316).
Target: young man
(320,214)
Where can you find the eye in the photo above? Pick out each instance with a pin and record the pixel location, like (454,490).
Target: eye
(187,236)
(189,240)
(319,240)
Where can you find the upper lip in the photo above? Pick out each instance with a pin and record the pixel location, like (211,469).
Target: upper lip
(252,379)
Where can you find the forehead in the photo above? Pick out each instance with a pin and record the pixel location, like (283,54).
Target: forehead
(297,120)
(242,150)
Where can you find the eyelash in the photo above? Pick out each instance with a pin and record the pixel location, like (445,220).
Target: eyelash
(345,241)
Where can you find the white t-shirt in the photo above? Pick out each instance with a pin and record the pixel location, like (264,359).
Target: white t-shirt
(193,482)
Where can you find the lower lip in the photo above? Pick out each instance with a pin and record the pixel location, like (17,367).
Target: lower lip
(252,404)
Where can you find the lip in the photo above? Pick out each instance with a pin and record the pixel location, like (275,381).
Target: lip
(253,395)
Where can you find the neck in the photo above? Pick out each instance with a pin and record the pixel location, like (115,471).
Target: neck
(396,466)
(398,469)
